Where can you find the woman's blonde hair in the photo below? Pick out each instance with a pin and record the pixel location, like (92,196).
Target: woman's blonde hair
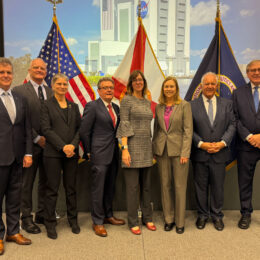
(177,99)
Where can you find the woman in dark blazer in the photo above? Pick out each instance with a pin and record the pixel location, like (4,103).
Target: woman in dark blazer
(60,122)
(171,145)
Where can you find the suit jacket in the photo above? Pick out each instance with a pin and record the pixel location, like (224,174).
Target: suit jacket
(57,130)
(97,132)
(178,138)
(224,127)
(15,139)
(248,120)
(27,90)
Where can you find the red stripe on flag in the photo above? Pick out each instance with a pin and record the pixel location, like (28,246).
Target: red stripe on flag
(119,88)
(68,96)
(78,93)
(87,86)
(139,51)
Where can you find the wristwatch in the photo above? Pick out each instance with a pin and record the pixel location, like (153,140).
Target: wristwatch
(124,147)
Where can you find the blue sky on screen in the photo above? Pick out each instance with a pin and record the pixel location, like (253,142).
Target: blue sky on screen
(27,22)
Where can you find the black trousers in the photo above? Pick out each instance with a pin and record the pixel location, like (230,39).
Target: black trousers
(103,190)
(55,169)
(138,192)
(209,174)
(29,175)
(10,187)
(246,163)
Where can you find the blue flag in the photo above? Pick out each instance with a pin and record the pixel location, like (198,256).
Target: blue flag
(219,59)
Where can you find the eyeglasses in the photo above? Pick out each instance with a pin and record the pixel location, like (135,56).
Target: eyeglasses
(254,70)
(138,80)
(107,88)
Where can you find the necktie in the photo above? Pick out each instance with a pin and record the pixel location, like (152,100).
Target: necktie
(256,98)
(210,111)
(40,93)
(111,114)
(9,106)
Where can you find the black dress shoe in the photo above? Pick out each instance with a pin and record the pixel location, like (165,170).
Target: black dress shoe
(51,233)
(218,224)
(39,219)
(75,228)
(168,227)
(244,221)
(29,226)
(201,222)
(179,230)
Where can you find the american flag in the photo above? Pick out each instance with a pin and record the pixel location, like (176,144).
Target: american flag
(55,52)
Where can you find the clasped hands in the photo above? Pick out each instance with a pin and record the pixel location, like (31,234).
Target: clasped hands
(254,140)
(212,147)
(68,149)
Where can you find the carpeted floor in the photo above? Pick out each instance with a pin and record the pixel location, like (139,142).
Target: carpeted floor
(231,243)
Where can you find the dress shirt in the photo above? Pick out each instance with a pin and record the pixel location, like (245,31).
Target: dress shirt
(10,96)
(106,104)
(214,104)
(35,85)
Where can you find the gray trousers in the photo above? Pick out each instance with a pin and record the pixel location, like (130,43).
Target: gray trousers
(138,192)
(170,167)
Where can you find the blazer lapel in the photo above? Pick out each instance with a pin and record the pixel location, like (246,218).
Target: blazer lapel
(218,112)
(17,107)
(117,114)
(57,107)
(69,112)
(171,116)
(105,111)
(32,91)
(161,117)
(48,93)
(203,110)
(3,108)
(250,98)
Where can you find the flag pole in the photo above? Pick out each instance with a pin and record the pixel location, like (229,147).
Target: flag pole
(55,2)
(219,42)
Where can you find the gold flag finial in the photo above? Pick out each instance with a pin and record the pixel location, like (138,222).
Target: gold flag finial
(54,2)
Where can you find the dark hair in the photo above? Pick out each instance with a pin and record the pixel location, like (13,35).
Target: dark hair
(105,79)
(132,77)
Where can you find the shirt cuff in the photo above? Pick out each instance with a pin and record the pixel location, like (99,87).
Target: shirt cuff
(36,139)
(222,141)
(28,155)
(200,144)
(247,138)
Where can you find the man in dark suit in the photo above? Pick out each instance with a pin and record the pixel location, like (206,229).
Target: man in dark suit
(98,134)
(246,108)
(214,127)
(16,152)
(35,92)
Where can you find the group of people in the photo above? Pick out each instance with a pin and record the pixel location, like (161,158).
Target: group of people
(41,131)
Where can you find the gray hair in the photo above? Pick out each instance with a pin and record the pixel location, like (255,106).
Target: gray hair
(209,73)
(105,79)
(5,61)
(58,76)
(37,59)
(250,64)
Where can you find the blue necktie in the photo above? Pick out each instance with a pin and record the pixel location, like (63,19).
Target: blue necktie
(256,98)
(210,111)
